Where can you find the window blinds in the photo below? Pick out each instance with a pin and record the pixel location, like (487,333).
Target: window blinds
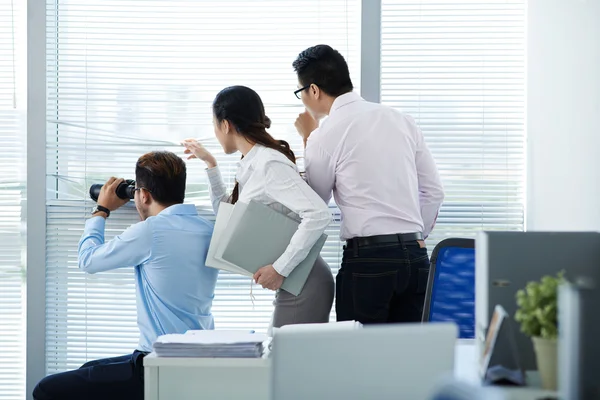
(458,68)
(12,196)
(126,77)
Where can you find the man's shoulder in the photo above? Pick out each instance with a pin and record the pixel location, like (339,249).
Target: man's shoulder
(140,227)
(378,108)
(202,223)
(368,113)
(187,219)
(334,128)
(358,111)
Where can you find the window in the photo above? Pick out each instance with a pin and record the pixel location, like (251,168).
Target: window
(127,77)
(12,197)
(458,68)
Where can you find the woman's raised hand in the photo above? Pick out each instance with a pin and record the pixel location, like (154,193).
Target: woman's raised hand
(195,149)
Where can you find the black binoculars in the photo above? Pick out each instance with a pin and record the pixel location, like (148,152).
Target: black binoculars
(125,190)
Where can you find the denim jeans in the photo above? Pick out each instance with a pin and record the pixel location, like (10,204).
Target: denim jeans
(383,283)
(110,378)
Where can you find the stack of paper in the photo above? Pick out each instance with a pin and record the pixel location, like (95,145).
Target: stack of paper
(312,328)
(250,236)
(329,326)
(212,344)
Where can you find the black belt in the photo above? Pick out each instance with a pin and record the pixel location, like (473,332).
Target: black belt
(383,239)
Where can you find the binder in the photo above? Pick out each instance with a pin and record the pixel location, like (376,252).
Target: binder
(255,235)
(225,210)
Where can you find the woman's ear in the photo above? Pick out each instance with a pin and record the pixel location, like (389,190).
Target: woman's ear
(226,126)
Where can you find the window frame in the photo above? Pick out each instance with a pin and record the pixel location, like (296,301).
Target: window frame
(37,162)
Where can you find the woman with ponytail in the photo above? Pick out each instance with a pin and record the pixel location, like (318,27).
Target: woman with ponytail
(268,174)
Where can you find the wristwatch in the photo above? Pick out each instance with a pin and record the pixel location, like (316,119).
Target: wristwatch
(100,208)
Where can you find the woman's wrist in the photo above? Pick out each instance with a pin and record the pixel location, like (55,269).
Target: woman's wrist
(211,162)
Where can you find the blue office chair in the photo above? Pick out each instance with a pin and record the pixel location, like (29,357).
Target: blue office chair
(450,292)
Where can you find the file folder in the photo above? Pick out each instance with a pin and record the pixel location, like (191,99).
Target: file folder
(255,236)
(225,210)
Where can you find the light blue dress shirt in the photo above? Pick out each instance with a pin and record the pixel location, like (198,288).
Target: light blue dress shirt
(174,288)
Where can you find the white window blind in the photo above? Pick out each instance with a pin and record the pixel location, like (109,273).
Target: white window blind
(458,68)
(12,197)
(126,77)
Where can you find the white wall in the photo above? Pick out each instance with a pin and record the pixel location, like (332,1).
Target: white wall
(563,115)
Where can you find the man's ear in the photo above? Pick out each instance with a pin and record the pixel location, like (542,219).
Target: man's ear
(146,196)
(315,91)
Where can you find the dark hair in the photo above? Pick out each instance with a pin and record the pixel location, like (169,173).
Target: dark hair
(244,110)
(163,174)
(325,67)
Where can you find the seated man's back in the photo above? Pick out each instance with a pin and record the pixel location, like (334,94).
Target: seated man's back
(175,288)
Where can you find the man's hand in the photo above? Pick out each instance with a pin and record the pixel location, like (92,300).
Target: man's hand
(108,195)
(268,278)
(305,125)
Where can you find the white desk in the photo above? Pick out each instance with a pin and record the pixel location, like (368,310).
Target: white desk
(466,369)
(205,378)
(248,379)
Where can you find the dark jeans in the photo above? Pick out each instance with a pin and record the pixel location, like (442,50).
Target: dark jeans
(382,283)
(110,378)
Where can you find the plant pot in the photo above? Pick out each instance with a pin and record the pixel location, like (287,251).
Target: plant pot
(546,355)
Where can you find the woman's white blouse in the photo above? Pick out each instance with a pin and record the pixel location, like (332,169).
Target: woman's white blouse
(267,176)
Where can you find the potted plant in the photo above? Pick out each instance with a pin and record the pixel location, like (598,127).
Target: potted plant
(538,315)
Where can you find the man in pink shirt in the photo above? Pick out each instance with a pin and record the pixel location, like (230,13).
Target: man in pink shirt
(385,182)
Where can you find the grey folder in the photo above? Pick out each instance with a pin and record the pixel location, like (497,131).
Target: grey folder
(257,236)
(213,258)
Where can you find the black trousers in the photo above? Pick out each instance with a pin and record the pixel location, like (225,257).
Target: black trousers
(107,379)
(383,283)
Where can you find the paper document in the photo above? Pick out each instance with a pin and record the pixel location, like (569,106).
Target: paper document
(328,326)
(254,236)
(213,337)
(209,343)
(222,332)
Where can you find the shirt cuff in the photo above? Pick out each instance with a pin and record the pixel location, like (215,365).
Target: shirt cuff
(281,268)
(214,176)
(95,224)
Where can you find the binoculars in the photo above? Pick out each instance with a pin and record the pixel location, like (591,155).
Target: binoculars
(125,190)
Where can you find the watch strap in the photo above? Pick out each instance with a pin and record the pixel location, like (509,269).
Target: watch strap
(100,208)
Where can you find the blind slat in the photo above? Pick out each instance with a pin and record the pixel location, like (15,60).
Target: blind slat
(127,77)
(458,68)
(12,196)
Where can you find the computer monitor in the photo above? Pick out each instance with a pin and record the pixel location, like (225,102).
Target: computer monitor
(453,389)
(394,361)
(506,261)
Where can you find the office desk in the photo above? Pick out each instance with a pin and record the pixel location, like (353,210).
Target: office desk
(466,368)
(248,379)
(205,378)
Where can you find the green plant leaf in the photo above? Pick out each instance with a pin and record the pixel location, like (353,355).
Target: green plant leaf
(537,307)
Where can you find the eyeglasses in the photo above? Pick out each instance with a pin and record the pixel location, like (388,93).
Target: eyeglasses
(297,92)
(140,188)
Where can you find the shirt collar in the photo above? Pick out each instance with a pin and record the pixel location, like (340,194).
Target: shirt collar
(180,209)
(247,160)
(344,100)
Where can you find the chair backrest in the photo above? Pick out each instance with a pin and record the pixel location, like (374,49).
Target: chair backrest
(450,292)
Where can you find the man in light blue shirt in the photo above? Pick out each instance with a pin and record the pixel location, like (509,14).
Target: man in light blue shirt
(174,288)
